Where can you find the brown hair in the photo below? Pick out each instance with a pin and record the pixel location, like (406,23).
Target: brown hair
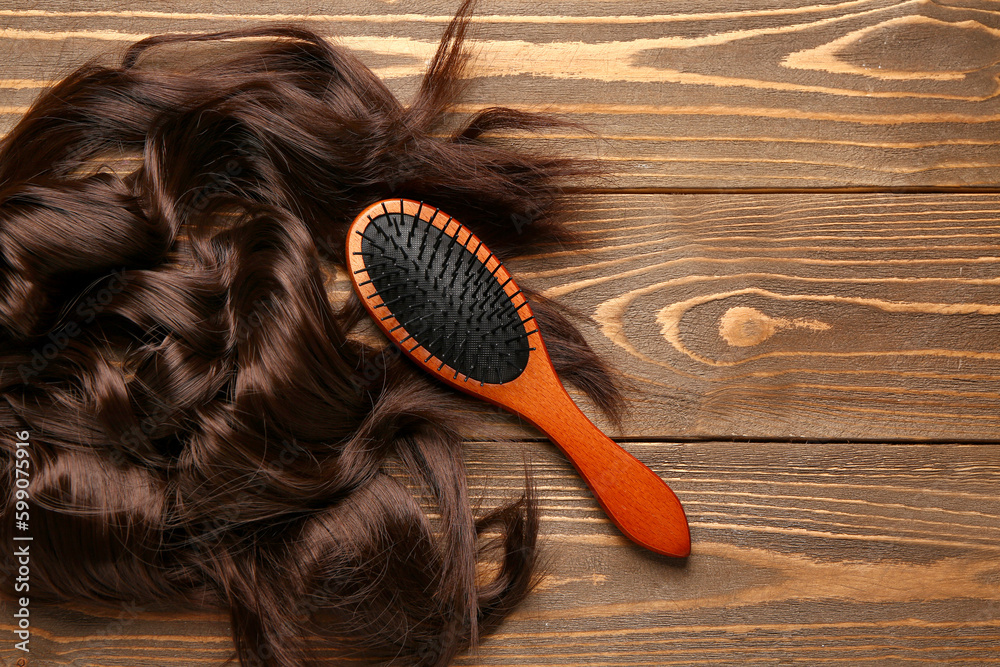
(205,429)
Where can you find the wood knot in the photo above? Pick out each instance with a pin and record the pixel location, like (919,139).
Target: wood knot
(742,326)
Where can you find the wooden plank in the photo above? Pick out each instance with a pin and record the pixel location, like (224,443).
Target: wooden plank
(814,316)
(828,553)
(790,316)
(857,93)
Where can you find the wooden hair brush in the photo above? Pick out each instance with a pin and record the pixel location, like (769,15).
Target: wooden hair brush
(439,294)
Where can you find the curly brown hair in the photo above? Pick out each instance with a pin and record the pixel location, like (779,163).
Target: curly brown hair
(205,428)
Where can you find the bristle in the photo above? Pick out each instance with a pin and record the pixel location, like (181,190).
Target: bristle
(444,297)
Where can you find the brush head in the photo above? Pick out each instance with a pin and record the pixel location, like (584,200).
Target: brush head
(439,292)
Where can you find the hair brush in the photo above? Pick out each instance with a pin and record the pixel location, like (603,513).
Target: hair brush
(439,294)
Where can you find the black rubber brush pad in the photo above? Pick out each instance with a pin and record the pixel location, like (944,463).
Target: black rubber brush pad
(445,298)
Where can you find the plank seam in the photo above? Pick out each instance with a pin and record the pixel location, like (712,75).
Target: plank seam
(892,190)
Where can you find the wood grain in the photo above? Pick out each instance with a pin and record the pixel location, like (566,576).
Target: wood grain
(865,317)
(857,93)
(790,316)
(818,554)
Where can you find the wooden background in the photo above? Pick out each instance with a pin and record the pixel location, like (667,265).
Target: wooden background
(795,261)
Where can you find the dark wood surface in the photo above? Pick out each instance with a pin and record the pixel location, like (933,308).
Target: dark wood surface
(812,340)
(830,316)
(813,553)
(690,94)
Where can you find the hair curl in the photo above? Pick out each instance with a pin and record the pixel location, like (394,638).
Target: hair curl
(205,427)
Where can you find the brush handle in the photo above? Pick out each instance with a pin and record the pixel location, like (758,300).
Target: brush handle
(634,497)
